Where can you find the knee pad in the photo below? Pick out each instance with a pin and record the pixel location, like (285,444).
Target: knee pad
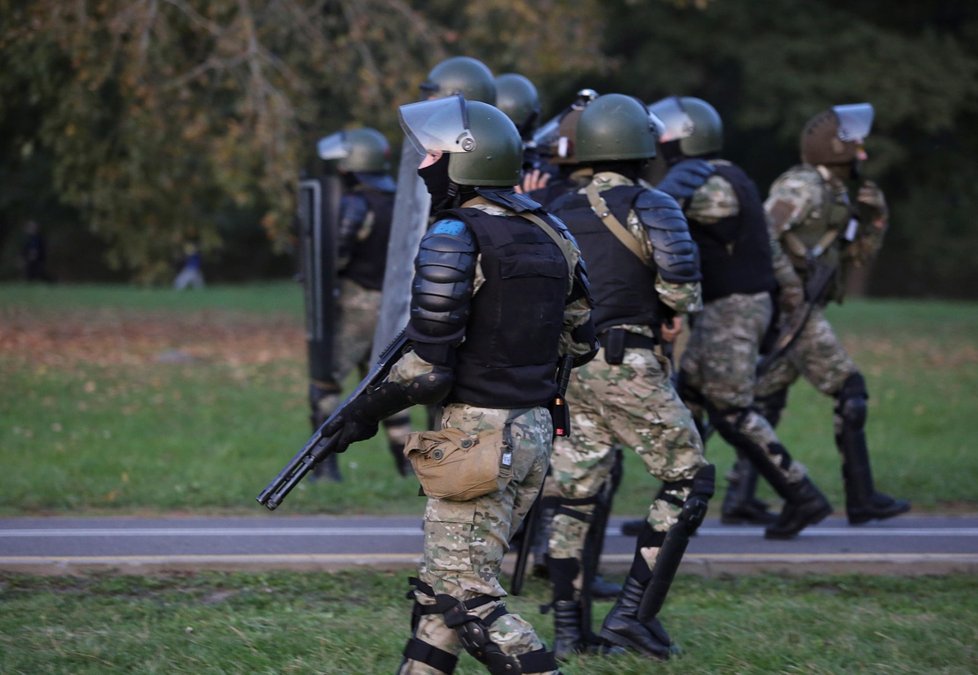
(852,401)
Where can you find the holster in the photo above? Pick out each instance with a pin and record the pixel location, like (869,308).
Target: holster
(616,340)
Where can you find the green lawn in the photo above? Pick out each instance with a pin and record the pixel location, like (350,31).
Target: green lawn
(119,399)
(357,622)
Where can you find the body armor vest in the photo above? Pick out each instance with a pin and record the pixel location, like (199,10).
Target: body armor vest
(368,259)
(510,353)
(735,252)
(622,286)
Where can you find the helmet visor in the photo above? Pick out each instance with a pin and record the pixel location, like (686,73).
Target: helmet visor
(334,146)
(546,134)
(438,125)
(675,122)
(855,121)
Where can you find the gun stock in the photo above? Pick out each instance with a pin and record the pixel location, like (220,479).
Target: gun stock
(319,446)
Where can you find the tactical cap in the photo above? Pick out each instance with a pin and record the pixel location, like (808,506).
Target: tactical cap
(835,136)
(518,98)
(461,75)
(358,150)
(613,127)
(485,147)
(692,121)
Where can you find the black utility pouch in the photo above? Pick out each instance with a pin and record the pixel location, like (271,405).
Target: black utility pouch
(613,342)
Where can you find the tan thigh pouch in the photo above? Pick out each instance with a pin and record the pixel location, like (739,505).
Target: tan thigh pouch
(454,465)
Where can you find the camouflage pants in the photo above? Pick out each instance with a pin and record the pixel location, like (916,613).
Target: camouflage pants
(465,541)
(817,355)
(720,363)
(634,405)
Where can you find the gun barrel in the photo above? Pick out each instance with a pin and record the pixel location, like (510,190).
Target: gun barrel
(302,463)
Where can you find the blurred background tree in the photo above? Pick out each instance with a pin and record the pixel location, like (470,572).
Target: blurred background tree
(127,126)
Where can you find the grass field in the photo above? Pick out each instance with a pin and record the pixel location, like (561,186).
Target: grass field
(122,399)
(358,622)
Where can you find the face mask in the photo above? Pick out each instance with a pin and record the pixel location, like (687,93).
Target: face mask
(435,178)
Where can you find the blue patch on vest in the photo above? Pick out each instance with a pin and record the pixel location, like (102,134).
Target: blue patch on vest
(452,227)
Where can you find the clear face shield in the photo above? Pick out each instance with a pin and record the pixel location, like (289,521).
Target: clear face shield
(855,121)
(438,125)
(334,146)
(675,122)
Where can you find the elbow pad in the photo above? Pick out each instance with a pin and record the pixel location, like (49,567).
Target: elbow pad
(441,292)
(676,254)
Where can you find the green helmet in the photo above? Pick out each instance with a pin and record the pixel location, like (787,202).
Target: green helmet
(835,136)
(461,75)
(358,150)
(518,98)
(692,121)
(485,147)
(614,127)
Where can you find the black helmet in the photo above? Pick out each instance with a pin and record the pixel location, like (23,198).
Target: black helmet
(693,122)
(835,136)
(485,147)
(615,127)
(461,75)
(358,150)
(557,138)
(518,98)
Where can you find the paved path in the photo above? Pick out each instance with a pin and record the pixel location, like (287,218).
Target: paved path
(54,545)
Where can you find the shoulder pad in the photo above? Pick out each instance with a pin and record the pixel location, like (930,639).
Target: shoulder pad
(353,208)
(686,177)
(442,286)
(675,252)
(509,198)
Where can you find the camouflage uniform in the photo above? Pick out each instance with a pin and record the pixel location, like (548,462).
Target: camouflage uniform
(809,208)
(817,225)
(719,364)
(631,404)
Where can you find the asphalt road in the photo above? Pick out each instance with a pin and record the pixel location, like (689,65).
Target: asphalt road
(57,545)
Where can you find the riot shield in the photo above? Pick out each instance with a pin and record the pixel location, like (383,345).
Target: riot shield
(318,220)
(412,205)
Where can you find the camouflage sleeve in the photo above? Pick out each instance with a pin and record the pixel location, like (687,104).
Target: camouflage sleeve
(578,338)
(792,197)
(682,298)
(713,201)
(791,290)
(874,220)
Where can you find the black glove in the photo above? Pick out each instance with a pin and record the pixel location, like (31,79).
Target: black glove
(348,428)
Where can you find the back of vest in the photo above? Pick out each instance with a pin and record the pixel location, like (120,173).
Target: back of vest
(735,252)
(622,286)
(509,356)
(368,260)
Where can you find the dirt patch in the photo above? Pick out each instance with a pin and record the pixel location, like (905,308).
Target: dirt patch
(127,337)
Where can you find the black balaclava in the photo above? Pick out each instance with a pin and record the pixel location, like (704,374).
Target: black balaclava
(435,178)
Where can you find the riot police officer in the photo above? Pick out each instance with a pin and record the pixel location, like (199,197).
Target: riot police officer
(717,374)
(644,275)
(825,233)
(362,157)
(499,293)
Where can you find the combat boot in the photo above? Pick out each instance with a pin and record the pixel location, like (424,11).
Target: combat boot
(623,628)
(602,589)
(401,463)
(805,506)
(329,469)
(740,506)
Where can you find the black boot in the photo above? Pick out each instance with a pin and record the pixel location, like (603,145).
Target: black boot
(568,638)
(602,589)
(401,462)
(805,506)
(740,506)
(329,469)
(863,502)
(622,627)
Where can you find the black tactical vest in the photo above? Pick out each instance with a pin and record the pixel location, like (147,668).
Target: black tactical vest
(622,286)
(735,252)
(509,356)
(368,259)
